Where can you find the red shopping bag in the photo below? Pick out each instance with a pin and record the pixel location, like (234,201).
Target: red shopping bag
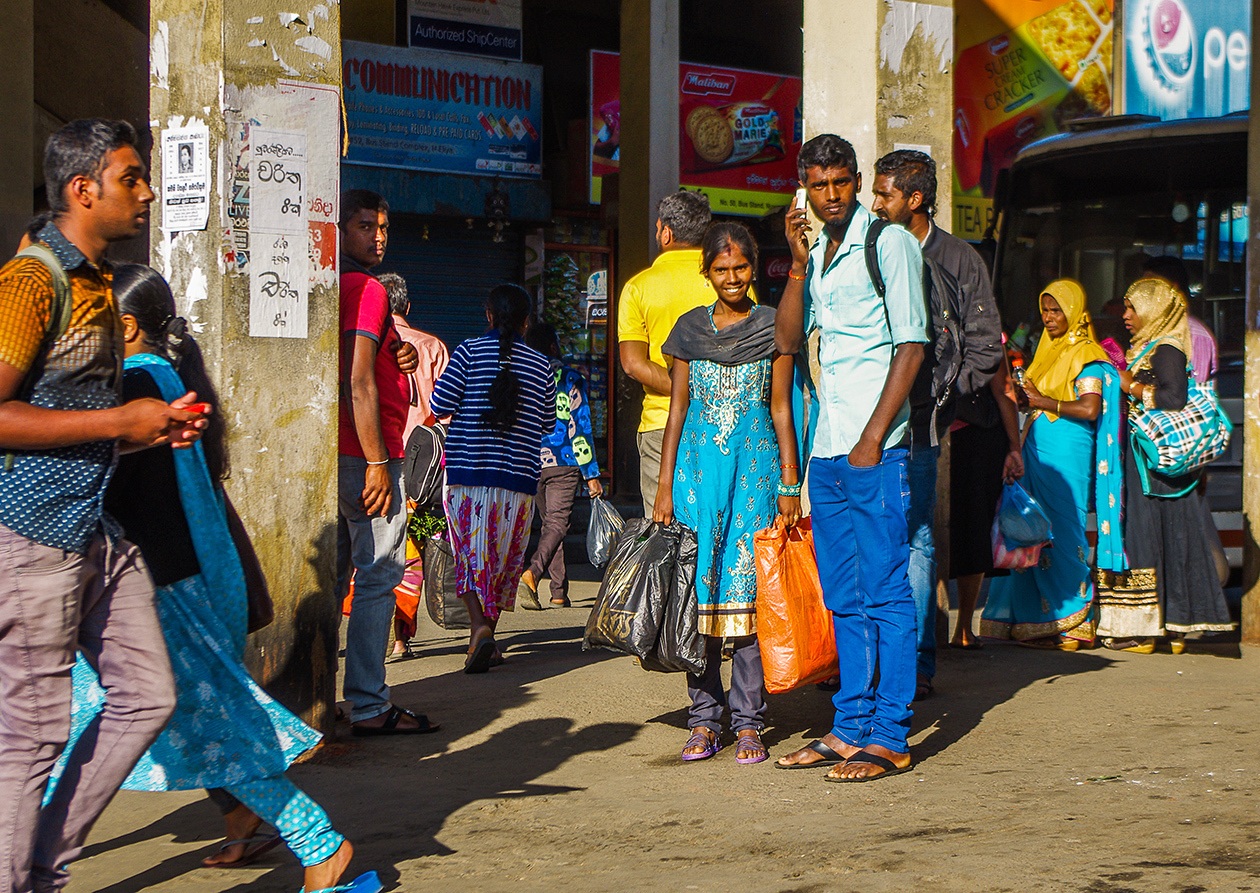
(794,627)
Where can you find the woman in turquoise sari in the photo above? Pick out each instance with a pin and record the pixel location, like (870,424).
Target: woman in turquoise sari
(1071,453)
(226,733)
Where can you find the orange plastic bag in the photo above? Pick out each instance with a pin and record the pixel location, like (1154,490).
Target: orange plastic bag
(794,627)
(406,593)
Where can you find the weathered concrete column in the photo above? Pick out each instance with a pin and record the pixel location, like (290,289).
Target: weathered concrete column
(649,172)
(17,110)
(258,285)
(1251,389)
(881,76)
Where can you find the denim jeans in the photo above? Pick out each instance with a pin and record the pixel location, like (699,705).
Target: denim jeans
(921,470)
(376,547)
(868,593)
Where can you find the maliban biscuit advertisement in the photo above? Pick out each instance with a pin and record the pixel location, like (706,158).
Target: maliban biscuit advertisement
(1025,69)
(739,132)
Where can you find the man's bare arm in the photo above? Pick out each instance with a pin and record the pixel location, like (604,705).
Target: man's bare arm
(145,422)
(901,374)
(653,376)
(365,411)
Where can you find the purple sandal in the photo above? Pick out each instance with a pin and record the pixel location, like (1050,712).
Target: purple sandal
(700,739)
(753,743)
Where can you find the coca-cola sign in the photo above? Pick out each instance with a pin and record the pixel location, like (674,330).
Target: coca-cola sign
(707,83)
(778,267)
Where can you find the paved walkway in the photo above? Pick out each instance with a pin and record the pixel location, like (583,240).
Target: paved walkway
(1095,772)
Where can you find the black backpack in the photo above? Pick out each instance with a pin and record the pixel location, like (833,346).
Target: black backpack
(423,472)
(946,346)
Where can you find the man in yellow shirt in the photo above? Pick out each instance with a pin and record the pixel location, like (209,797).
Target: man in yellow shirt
(651,303)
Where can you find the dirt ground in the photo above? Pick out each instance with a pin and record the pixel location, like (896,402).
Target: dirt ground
(1095,772)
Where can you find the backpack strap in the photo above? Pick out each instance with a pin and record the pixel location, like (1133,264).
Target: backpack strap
(872,255)
(58,321)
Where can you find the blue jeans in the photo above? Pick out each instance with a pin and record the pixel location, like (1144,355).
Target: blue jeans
(921,470)
(375,547)
(868,593)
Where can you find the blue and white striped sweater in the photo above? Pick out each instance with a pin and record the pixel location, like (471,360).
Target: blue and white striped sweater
(478,455)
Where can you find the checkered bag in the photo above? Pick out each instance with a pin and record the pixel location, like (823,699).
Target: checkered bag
(1175,442)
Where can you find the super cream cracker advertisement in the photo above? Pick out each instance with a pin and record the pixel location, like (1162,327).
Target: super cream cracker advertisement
(1025,69)
(739,132)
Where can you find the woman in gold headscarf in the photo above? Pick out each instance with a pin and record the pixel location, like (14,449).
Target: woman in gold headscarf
(1171,584)
(1071,445)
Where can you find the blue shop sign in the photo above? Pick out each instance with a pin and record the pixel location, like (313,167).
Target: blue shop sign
(1187,58)
(431,111)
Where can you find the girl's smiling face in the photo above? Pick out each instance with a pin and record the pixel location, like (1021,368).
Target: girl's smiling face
(731,274)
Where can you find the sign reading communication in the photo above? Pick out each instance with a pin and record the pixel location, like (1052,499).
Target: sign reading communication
(441,112)
(1187,58)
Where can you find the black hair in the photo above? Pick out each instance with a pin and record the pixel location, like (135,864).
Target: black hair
(80,149)
(542,337)
(355,200)
(396,290)
(509,307)
(911,171)
(687,214)
(826,150)
(1170,267)
(719,239)
(36,224)
(142,293)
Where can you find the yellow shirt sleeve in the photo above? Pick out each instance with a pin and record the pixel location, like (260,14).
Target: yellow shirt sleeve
(631,315)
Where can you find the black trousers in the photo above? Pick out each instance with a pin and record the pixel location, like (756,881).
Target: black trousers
(557,488)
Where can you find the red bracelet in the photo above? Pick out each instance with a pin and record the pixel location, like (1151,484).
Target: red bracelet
(792,275)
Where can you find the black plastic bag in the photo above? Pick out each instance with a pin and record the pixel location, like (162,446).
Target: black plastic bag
(679,645)
(647,603)
(602,531)
(441,596)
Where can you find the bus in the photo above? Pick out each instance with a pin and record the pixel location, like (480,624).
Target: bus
(1090,203)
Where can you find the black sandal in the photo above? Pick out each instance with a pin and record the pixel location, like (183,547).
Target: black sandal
(829,757)
(865,758)
(390,726)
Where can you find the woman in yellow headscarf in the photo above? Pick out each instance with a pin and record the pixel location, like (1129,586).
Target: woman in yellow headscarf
(1171,585)
(1071,444)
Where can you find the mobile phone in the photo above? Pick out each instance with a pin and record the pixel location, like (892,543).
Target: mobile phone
(798,201)
(198,408)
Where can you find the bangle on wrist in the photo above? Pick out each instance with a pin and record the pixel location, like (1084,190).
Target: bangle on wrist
(795,276)
(789,489)
(382,462)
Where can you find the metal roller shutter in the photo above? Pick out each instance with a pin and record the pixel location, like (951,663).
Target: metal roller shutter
(450,274)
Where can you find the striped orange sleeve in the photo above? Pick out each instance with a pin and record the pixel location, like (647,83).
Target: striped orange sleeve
(26,293)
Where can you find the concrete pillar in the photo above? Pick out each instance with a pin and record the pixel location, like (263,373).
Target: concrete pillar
(17,109)
(649,172)
(1251,406)
(264,80)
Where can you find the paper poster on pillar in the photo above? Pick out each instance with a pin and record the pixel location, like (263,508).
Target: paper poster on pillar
(279,270)
(185,180)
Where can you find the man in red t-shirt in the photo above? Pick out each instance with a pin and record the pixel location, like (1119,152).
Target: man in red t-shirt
(372,512)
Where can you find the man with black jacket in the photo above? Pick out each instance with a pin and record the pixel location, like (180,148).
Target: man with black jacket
(956,283)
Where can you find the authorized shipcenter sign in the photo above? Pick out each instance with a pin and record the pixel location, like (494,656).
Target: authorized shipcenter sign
(480,27)
(443,112)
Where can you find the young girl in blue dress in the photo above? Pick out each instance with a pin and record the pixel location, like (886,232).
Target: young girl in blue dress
(729,464)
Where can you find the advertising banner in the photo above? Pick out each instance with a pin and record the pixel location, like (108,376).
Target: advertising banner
(1187,58)
(466,26)
(1024,69)
(739,132)
(429,111)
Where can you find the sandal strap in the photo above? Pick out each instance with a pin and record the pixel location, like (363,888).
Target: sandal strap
(866,758)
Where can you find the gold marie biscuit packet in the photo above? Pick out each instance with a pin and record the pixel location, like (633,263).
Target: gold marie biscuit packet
(1068,34)
(739,133)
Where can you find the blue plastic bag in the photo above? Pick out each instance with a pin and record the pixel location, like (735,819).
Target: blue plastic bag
(1020,519)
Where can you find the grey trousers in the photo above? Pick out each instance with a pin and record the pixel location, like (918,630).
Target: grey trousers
(557,488)
(747,698)
(650,443)
(52,604)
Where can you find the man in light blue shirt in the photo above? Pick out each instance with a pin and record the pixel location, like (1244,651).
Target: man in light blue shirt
(870,349)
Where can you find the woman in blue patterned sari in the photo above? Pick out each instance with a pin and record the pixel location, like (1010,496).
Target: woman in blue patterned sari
(729,464)
(1071,457)
(226,733)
